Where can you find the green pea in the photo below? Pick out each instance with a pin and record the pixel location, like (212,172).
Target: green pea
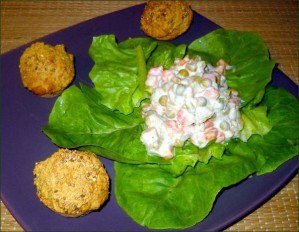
(163,100)
(184,72)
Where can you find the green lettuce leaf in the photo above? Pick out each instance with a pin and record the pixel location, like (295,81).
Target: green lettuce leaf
(255,122)
(165,54)
(188,156)
(119,74)
(120,69)
(247,54)
(281,143)
(79,120)
(157,199)
(283,111)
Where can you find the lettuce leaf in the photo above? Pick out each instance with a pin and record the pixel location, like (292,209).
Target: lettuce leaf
(153,197)
(79,120)
(247,54)
(120,69)
(165,197)
(281,143)
(119,74)
(163,54)
(255,122)
(188,156)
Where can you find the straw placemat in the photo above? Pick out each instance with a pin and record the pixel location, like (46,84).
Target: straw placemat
(275,21)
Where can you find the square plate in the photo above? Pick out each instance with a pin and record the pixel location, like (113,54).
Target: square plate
(23,143)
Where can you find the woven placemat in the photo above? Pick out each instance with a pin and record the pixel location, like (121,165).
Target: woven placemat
(278,214)
(275,21)
(8,223)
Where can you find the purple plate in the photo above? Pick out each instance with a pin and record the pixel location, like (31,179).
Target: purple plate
(23,143)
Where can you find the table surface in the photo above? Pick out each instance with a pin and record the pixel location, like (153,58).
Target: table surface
(275,21)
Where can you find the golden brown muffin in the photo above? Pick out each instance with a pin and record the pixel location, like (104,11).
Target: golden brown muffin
(166,20)
(71,182)
(46,70)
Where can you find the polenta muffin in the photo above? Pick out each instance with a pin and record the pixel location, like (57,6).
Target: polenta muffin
(71,182)
(46,70)
(166,20)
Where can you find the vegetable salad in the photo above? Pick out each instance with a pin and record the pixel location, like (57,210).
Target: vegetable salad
(192,101)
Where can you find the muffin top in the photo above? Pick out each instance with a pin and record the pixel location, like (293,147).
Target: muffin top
(46,70)
(71,182)
(166,20)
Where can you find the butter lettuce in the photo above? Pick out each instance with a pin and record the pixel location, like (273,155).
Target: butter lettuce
(255,122)
(79,120)
(120,69)
(118,73)
(163,54)
(155,198)
(246,53)
(281,143)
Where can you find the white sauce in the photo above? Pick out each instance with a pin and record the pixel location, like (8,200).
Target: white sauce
(190,101)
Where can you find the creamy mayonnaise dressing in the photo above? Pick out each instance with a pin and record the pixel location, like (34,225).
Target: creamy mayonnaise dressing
(190,101)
